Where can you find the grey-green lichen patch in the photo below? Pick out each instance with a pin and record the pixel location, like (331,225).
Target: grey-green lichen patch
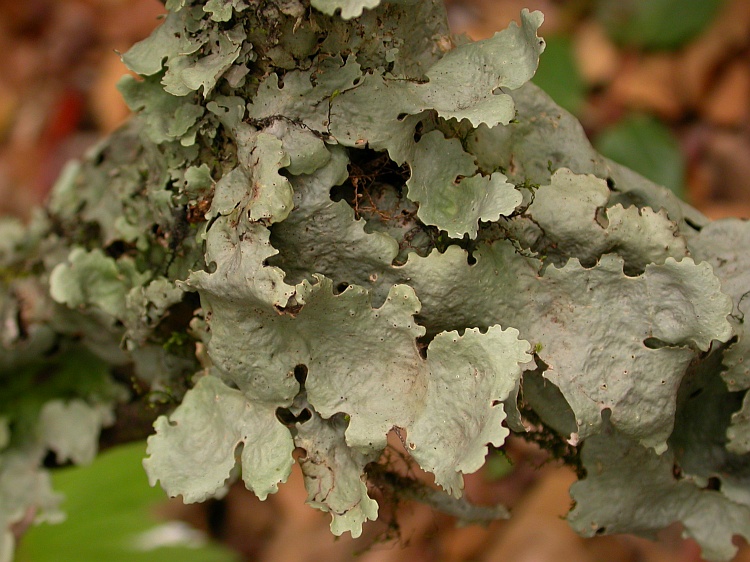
(169,117)
(370,214)
(71,430)
(383,385)
(194,449)
(322,236)
(545,137)
(572,217)
(240,296)
(93,279)
(193,50)
(334,473)
(658,323)
(306,95)
(95,283)
(146,306)
(24,487)
(221,10)
(149,56)
(723,244)
(464,84)
(450,192)
(738,433)
(186,75)
(349,8)
(608,502)
(269,194)
(306,151)
(706,409)
(470,377)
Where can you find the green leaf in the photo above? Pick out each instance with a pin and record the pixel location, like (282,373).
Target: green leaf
(656,24)
(4,433)
(498,466)
(114,522)
(648,147)
(558,74)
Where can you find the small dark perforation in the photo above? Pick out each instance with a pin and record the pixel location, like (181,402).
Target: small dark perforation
(340,288)
(285,416)
(300,373)
(655,343)
(422,345)
(418,130)
(116,249)
(713,483)
(693,225)
(51,461)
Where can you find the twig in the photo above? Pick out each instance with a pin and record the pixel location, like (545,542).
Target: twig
(407,488)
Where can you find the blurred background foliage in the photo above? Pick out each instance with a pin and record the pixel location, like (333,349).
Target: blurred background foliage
(112,516)
(662,86)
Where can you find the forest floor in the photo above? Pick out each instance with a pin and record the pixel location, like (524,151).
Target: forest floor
(58,97)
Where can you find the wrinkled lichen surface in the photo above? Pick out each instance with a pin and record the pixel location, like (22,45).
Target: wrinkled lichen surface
(330,220)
